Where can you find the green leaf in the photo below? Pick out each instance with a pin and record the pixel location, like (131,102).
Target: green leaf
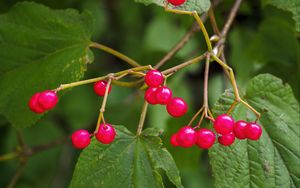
(190,5)
(130,161)
(292,6)
(273,160)
(40,49)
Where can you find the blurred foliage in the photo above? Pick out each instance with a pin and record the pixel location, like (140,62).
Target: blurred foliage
(262,39)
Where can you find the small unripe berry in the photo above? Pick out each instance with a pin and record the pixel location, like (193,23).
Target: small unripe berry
(154,78)
(81,139)
(253,131)
(186,137)
(100,87)
(173,140)
(226,139)
(177,107)
(223,124)
(48,99)
(163,95)
(106,133)
(205,138)
(150,95)
(239,129)
(34,105)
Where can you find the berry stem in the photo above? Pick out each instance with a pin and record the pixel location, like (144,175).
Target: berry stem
(115,53)
(142,118)
(200,121)
(102,109)
(9,156)
(205,85)
(195,116)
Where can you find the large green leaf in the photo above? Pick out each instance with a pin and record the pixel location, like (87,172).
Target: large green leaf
(190,5)
(130,161)
(40,48)
(292,6)
(274,160)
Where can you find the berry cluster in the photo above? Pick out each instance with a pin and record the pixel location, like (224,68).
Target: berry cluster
(82,138)
(224,126)
(158,94)
(41,102)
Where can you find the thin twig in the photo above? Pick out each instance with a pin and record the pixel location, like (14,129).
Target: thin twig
(17,176)
(142,118)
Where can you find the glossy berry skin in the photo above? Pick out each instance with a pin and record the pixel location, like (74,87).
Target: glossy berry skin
(205,138)
(154,78)
(253,131)
(100,87)
(173,140)
(176,2)
(177,107)
(48,99)
(239,129)
(163,95)
(34,105)
(226,139)
(223,124)
(150,95)
(106,133)
(186,137)
(81,139)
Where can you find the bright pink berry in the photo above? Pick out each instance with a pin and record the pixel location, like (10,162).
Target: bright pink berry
(47,99)
(106,133)
(223,124)
(205,138)
(34,105)
(176,2)
(239,129)
(226,139)
(253,131)
(81,139)
(173,140)
(154,78)
(150,95)
(163,95)
(177,107)
(186,137)
(100,87)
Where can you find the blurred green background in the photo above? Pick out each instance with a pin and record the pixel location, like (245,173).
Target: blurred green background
(262,39)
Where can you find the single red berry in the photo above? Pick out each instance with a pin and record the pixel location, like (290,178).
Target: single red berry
(154,78)
(176,2)
(239,129)
(100,87)
(163,95)
(253,131)
(81,139)
(173,140)
(48,99)
(34,105)
(106,133)
(205,138)
(226,139)
(223,124)
(177,107)
(186,137)
(150,95)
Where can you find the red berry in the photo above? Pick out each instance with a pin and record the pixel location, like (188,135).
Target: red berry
(106,133)
(150,95)
(34,105)
(173,140)
(239,129)
(186,137)
(81,139)
(154,78)
(163,95)
(177,107)
(47,99)
(223,124)
(226,139)
(205,138)
(100,87)
(253,131)
(176,2)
